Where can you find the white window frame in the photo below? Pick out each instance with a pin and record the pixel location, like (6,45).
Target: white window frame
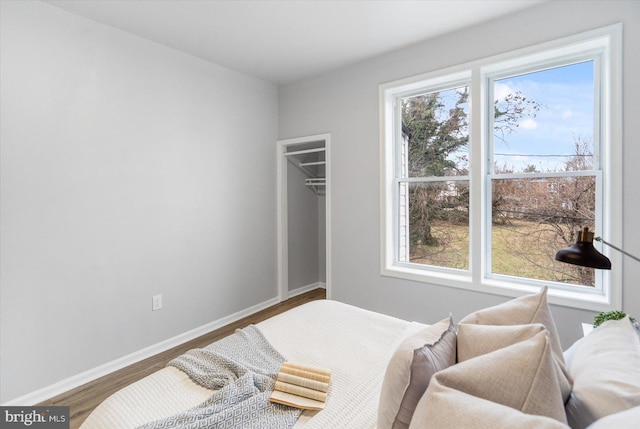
(606,42)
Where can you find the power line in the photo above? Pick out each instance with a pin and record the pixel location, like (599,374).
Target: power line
(540,156)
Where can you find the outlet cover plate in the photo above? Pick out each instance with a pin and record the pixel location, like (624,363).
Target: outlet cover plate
(156,302)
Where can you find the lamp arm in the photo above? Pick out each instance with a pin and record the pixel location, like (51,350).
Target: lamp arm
(624,252)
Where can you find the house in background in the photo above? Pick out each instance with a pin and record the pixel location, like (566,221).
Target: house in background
(129,169)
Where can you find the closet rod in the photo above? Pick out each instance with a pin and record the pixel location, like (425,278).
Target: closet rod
(304,164)
(299,152)
(319,181)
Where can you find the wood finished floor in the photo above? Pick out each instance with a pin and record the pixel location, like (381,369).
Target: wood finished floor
(83,399)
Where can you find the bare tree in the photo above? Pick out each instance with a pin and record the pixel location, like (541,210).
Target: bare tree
(547,211)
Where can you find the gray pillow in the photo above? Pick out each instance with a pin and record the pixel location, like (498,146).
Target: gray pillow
(410,370)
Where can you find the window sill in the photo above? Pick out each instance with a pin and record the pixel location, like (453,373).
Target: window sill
(592,300)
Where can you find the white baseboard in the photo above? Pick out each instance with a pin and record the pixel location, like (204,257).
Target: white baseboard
(72,382)
(305,289)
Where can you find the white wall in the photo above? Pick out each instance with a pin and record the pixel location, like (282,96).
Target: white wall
(303,226)
(128,169)
(345,103)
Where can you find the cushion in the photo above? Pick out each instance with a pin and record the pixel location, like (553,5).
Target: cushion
(476,340)
(520,376)
(623,420)
(410,370)
(520,311)
(453,409)
(528,309)
(606,372)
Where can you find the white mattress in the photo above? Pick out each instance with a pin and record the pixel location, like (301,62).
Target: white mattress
(355,344)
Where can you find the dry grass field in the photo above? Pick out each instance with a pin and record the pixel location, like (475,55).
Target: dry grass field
(520,248)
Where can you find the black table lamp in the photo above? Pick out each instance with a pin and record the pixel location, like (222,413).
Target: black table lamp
(584,254)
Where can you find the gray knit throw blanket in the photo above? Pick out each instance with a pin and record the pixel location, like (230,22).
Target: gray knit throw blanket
(242,368)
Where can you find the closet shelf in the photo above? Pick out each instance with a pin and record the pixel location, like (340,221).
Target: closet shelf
(300,152)
(316,181)
(317,184)
(310,159)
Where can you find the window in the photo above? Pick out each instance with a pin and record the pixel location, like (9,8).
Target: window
(491,167)
(433,183)
(543,139)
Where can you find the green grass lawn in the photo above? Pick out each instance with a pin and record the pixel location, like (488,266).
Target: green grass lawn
(520,248)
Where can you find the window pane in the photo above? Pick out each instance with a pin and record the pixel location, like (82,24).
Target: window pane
(435,134)
(534,218)
(544,121)
(434,223)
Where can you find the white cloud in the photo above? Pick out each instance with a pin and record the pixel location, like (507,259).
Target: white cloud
(528,124)
(500,90)
(566,114)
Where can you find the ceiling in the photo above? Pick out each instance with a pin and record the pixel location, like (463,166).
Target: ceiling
(284,41)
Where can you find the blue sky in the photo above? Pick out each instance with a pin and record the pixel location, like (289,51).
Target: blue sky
(567,96)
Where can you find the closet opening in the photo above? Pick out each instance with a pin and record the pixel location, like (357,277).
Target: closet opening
(304,194)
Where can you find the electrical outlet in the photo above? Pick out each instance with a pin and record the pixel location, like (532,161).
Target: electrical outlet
(156,302)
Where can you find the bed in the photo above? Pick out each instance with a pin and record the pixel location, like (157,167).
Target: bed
(389,373)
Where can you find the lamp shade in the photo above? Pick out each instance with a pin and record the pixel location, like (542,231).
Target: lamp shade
(583,253)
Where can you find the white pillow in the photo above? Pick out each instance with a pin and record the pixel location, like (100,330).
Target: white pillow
(520,376)
(453,409)
(526,310)
(520,311)
(476,340)
(629,419)
(410,370)
(605,367)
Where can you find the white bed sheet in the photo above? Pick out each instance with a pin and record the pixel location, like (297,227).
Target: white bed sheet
(355,344)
